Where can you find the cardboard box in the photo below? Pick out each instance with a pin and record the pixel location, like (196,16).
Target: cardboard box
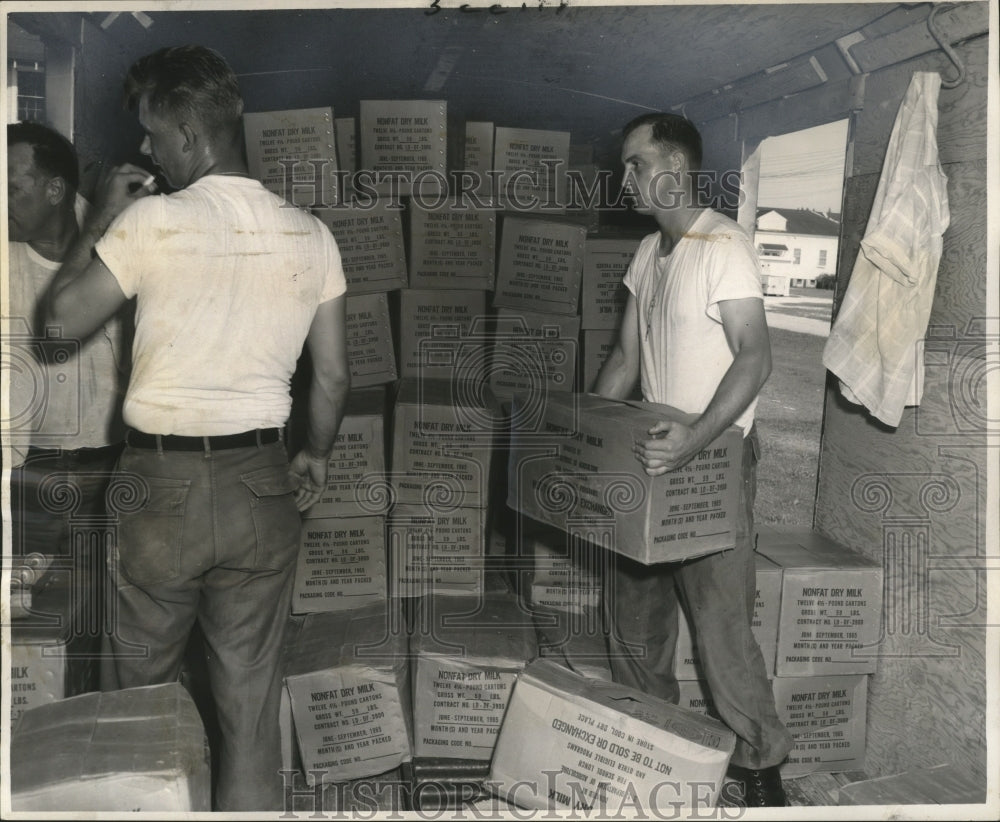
(55,647)
(764,624)
(291,759)
(348,693)
(436,550)
(345,129)
(452,246)
(827,717)
(566,575)
(442,443)
(583,187)
(369,340)
(370,238)
(531,164)
(139,749)
(293,153)
(443,784)
(533,354)
(594,487)
(831,604)
(605,263)
(565,734)
(576,640)
(355,479)
(407,137)
(597,345)
(434,333)
(466,652)
(540,266)
(694,696)
(341,564)
(479,156)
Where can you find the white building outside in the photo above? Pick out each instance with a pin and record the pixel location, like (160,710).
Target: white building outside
(796,243)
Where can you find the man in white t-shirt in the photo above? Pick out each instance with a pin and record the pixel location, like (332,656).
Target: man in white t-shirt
(229,282)
(695,335)
(64,430)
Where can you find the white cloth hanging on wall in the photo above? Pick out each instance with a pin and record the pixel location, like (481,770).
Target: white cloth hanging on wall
(875,346)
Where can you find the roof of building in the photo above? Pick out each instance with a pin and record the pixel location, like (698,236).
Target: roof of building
(804,221)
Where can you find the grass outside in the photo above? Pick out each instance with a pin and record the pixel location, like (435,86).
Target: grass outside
(789,418)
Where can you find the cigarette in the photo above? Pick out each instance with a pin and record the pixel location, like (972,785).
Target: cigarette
(149,182)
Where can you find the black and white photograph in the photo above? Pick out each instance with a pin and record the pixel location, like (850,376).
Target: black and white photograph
(489,410)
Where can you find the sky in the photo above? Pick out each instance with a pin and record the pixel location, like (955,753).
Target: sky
(804,169)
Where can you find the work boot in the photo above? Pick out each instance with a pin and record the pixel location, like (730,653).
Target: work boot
(761,789)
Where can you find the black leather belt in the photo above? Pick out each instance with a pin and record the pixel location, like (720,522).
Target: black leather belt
(101,453)
(174,442)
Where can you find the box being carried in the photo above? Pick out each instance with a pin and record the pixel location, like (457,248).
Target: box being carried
(594,487)
(467,652)
(831,604)
(348,691)
(139,749)
(569,741)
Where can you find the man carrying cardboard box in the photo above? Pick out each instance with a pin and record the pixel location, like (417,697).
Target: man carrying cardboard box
(694,332)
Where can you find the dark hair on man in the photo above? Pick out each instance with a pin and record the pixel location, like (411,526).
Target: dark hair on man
(54,155)
(673,131)
(188,82)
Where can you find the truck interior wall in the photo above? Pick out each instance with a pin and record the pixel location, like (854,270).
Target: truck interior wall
(915,496)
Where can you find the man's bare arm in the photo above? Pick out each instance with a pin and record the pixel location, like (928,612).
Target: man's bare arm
(672,444)
(328,391)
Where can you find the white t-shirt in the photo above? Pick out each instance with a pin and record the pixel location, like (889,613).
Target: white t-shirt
(683,346)
(67,402)
(227,277)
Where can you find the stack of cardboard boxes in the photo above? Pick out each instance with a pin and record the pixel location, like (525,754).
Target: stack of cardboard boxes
(818,622)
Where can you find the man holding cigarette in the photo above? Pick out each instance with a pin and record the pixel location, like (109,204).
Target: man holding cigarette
(695,334)
(230,281)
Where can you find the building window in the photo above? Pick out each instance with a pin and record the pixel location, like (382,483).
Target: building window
(822,258)
(798,256)
(29,82)
(771,249)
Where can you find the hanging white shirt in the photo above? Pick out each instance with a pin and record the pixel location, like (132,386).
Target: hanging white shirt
(875,345)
